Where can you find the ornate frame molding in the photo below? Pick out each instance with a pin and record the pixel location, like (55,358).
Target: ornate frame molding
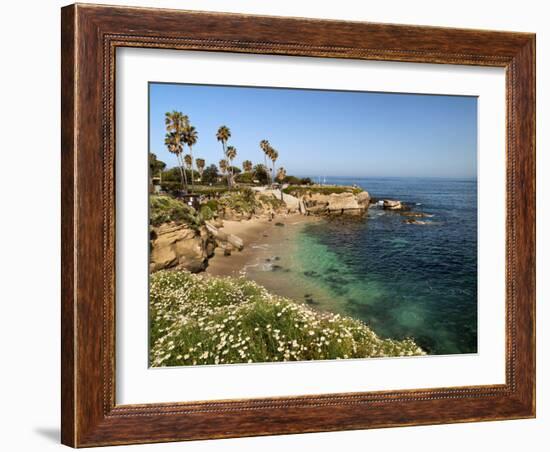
(90,37)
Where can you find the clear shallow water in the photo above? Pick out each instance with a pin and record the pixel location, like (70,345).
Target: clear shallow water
(403,280)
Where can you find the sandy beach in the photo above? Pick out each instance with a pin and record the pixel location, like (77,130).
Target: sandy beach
(258,234)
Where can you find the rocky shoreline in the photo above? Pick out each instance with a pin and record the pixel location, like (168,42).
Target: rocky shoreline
(182,246)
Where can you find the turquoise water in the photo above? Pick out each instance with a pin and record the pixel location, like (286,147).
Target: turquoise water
(404,280)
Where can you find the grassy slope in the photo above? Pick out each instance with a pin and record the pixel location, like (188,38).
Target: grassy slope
(165,209)
(196,319)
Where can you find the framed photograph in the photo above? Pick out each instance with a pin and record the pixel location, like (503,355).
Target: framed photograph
(281,225)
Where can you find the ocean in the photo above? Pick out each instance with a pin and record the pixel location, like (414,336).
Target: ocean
(403,280)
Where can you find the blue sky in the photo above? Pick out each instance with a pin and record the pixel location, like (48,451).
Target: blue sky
(326,133)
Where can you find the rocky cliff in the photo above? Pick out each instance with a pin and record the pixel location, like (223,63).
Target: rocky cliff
(179,246)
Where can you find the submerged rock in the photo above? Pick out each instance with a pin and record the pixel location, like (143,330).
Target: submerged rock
(416,214)
(311,273)
(414,221)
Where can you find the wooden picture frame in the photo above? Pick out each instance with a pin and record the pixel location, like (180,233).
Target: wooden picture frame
(90,36)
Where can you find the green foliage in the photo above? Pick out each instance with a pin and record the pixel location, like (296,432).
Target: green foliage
(165,209)
(240,201)
(271,201)
(172,175)
(260,173)
(210,175)
(245,178)
(299,190)
(170,186)
(171,179)
(293,180)
(197,319)
(155,166)
(207,213)
(248,195)
(213,205)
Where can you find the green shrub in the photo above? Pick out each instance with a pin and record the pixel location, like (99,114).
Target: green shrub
(170,186)
(206,213)
(241,201)
(165,209)
(292,180)
(197,319)
(213,205)
(212,189)
(271,201)
(245,178)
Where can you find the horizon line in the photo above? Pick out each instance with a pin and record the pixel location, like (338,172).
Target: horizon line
(373,176)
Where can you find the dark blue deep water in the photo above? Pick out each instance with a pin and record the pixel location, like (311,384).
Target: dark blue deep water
(404,280)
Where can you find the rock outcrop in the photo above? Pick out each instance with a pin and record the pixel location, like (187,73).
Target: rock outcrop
(391,204)
(292,202)
(178,246)
(363,198)
(336,203)
(227,213)
(222,238)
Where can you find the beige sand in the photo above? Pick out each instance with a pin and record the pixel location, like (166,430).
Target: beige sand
(254,232)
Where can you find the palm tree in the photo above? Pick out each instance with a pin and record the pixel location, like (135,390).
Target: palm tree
(273,155)
(189,164)
(176,122)
(231,153)
(190,137)
(201,164)
(175,146)
(223,166)
(247,166)
(264,146)
(223,135)
(281,174)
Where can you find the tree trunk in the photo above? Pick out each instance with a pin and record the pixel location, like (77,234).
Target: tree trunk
(182,174)
(182,170)
(192,172)
(225,157)
(231,171)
